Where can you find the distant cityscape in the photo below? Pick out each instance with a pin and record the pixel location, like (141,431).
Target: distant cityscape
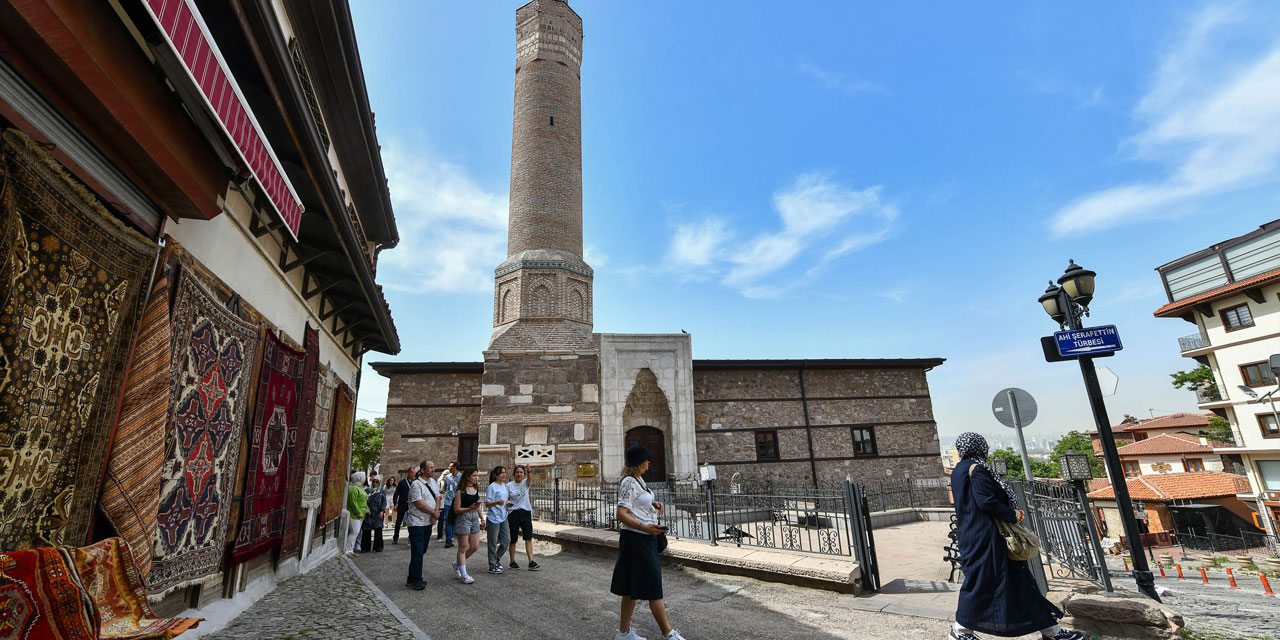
(1037,447)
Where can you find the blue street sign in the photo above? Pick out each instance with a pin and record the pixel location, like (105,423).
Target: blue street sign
(1088,341)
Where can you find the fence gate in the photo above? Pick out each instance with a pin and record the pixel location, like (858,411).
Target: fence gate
(861,538)
(1060,522)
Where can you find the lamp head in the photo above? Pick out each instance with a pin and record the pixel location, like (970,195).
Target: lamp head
(1274,364)
(1078,282)
(1075,466)
(1051,302)
(1000,465)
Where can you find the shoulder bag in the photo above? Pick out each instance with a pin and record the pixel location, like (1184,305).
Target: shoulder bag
(1021,543)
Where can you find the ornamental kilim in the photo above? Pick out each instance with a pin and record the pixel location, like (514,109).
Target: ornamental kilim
(274,431)
(70,278)
(289,541)
(335,480)
(41,598)
(313,481)
(107,572)
(131,494)
(213,356)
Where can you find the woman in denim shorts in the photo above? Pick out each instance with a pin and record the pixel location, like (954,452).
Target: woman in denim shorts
(468,522)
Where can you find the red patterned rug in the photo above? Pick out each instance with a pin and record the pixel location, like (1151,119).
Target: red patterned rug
(213,356)
(106,571)
(131,494)
(335,488)
(41,598)
(313,480)
(69,304)
(274,429)
(290,541)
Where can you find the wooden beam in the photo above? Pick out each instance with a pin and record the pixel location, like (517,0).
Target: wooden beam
(335,311)
(302,260)
(333,282)
(1205,309)
(1255,294)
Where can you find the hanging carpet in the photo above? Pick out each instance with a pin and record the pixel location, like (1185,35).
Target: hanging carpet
(274,430)
(313,480)
(291,538)
(335,477)
(70,282)
(41,598)
(106,570)
(213,356)
(131,494)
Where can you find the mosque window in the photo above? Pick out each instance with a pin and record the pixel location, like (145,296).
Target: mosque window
(767,445)
(864,441)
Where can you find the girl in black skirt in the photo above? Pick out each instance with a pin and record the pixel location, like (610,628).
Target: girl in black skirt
(637,574)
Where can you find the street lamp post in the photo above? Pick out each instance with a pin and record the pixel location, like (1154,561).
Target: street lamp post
(1068,303)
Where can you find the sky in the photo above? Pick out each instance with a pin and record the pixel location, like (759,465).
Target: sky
(844,179)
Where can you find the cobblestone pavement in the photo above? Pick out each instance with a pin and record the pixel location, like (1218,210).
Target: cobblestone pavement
(329,603)
(1215,610)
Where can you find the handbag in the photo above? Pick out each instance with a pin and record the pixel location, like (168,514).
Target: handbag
(1021,543)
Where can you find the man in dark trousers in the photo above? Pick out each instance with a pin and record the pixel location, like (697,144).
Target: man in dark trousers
(401,499)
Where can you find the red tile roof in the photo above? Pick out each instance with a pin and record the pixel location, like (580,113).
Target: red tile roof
(1170,443)
(1172,421)
(1174,309)
(1175,486)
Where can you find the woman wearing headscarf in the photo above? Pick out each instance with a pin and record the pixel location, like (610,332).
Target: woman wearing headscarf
(357,508)
(371,531)
(999,595)
(637,573)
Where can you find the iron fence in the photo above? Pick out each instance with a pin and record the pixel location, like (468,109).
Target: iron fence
(1245,543)
(1193,342)
(1055,513)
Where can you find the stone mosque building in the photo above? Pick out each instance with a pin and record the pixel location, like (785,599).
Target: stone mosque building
(551,392)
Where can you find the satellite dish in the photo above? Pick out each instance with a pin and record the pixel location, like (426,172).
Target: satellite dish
(1002,407)
(1253,395)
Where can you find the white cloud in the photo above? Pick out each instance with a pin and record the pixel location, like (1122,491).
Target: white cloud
(593,256)
(453,232)
(1085,97)
(821,220)
(1214,121)
(897,294)
(840,82)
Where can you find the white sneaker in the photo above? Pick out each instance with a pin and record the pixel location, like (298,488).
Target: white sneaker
(467,579)
(674,635)
(456,572)
(629,635)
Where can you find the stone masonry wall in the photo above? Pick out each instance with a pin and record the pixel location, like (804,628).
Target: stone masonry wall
(733,405)
(540,409)
(425,414)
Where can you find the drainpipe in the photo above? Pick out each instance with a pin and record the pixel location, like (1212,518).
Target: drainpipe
(804,404)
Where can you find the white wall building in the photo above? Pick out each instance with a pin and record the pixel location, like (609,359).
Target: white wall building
(1231,292)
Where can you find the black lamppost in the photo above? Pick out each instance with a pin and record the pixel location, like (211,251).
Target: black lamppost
(1068,303)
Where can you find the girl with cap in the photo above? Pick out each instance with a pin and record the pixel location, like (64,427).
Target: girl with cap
(999,595)
(637,574)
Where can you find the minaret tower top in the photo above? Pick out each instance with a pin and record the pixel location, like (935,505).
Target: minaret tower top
(542,292)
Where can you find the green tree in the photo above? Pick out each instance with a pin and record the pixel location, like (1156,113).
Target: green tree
(366,443)
(1077,442)
(1219,429)
(1040,468)
(1199,378)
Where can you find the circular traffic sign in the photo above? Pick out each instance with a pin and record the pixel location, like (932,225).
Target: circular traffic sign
(1002,407)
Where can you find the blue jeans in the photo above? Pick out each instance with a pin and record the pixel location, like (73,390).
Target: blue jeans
(445,529)
(418,537)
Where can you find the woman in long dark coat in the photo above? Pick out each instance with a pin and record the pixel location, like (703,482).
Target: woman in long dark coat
(999,595)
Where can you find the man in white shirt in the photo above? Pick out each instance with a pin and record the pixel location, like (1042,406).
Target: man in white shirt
(424,509)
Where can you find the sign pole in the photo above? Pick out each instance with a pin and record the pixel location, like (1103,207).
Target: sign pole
(1022,443)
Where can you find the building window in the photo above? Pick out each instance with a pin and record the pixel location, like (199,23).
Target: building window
(1269,472)
(766,445)
(553,121)
(1237,317)
(1257,374)
(468,450)
(1192,464)
(864,441)
(1139,436)
(1267,422)
(1131,469)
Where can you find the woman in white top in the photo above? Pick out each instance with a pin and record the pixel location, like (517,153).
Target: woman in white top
(520,516)
(637,574)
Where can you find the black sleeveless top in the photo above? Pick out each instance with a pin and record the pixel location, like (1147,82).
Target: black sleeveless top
(468,499)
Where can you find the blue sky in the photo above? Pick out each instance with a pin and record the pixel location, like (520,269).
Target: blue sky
(840,179)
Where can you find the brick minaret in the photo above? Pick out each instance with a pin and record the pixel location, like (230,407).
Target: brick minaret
(542,292)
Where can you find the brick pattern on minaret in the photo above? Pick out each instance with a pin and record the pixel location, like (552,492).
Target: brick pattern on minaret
(542,292)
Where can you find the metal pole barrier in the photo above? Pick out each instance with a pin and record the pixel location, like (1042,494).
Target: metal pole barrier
(556,501)
(1093,536)
(711,513)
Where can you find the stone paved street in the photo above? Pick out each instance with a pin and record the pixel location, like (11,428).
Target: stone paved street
(331,602)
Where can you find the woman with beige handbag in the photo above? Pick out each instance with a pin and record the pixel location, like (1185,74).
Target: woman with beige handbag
(999,595)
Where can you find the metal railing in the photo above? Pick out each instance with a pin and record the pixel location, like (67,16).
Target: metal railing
(1193,342)
(807,519)
(1246,542)
(1064,535)
(908,494)
(1210,394)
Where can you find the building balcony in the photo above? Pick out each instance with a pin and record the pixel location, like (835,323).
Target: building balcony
(1208,398)
(1193,342)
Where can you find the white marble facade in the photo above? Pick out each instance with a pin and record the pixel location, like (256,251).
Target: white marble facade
(670,358)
